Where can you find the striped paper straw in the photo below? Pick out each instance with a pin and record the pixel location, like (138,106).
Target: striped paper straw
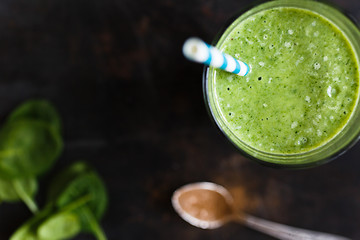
(197,50)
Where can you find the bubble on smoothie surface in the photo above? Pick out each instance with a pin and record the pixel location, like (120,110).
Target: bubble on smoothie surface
(301,141)
(294,124)
(319,132)
(249,42)
(291,32)
(326,58)
(331,91)
(287,44)
(262,64)
(307,99)
(317,66)
(333,108)
(336,70)
(300,60)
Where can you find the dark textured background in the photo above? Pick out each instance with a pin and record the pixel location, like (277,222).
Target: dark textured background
(132,106)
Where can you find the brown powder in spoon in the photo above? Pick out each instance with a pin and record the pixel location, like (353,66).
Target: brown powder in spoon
(204,204)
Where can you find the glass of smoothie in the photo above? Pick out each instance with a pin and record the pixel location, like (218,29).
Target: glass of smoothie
(299,105)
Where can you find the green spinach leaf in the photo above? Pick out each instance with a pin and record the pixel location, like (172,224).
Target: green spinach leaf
(30,142)
(27,148)
(28,231)
(8,192)
(63,225)
(76,202)
(40,110)
(76,182)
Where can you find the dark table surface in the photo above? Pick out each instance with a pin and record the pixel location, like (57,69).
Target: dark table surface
(132,107)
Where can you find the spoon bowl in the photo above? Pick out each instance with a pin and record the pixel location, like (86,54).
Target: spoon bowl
(199,195)
(208,205)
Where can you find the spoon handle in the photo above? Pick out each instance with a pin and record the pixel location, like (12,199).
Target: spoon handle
(285,232)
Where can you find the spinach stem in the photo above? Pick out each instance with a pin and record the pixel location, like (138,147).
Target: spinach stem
(99,233)
(25,196)
(76,204)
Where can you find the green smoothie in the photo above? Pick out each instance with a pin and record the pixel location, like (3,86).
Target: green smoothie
(303,85)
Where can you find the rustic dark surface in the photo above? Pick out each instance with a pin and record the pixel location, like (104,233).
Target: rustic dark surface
(132,106)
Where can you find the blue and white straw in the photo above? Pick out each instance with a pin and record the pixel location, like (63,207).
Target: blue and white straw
(197,50)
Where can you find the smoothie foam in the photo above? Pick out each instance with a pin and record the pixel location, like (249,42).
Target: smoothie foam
(303,85)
